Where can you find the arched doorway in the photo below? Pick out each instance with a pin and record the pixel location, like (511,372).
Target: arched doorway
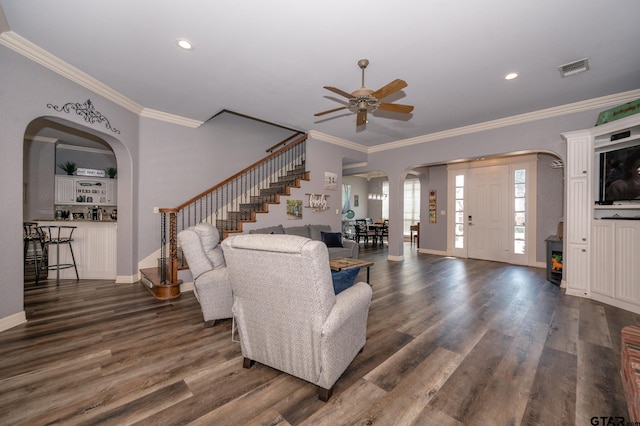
(50,141)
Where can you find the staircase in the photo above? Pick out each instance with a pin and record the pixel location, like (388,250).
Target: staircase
(227,205)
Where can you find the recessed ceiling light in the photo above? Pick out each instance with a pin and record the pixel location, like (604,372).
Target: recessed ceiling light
(511,76)
(184,44)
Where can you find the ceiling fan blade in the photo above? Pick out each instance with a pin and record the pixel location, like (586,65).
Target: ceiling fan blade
(390,88)
(339,92)
(329,111)
(405,109)
(361,119)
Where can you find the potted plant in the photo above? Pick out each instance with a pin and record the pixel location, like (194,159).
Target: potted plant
(112,172)
(68,167)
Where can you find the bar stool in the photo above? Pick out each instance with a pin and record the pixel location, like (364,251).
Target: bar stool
(34,249)
(58,236)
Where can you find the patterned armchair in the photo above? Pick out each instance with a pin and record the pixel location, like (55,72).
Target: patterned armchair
(207,265)
(287,314)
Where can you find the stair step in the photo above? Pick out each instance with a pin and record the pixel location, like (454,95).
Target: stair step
(258,206)
(150,278)
(269,191)
(241,215)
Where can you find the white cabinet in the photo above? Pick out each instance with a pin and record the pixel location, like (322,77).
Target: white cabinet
(602,269)
(576,269)
(577,213)
(65,190)
(615,268)
(627,270)
(601,256)
(578,217)
(78,190)
(112,192)
(578,154)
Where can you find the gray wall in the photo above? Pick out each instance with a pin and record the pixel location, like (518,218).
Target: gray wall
(359,187)
(38,165)
(161,164)
(433,236)
(321,157)
(549,202)
(26,89)
(178,163)
(84,159)
(539,136)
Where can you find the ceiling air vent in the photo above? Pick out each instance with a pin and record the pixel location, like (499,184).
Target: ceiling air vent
(574,67)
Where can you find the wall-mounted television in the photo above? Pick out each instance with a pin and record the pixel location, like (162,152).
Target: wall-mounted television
(620,173)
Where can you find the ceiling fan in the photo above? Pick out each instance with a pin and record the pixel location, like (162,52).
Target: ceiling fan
(366,100)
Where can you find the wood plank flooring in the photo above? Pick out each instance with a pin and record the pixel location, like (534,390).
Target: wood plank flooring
(450,342)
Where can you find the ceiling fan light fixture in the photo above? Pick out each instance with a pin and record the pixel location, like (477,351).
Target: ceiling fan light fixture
(363,100)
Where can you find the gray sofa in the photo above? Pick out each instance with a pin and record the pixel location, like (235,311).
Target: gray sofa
(349,248)
(287,313)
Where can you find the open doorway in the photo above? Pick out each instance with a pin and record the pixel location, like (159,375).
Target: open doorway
(84,196)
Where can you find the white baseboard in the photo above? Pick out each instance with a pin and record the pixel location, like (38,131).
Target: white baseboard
(127,279)
(395,258)
(13,320)
(436,252)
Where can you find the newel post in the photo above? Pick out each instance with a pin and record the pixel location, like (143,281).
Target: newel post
(173,247)
(169,266)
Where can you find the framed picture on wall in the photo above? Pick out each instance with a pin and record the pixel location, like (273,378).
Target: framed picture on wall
(330,181)
(356,201)
(294,209)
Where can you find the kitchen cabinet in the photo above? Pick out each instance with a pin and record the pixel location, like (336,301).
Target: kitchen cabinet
(112,192)
(79,190)
(65,190)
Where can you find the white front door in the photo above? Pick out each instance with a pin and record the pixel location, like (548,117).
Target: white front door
(487,213)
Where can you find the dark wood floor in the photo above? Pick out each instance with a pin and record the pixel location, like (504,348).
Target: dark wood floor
(450,341)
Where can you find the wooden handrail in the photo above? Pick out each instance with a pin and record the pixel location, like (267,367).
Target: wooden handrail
(240,173)
(281,143)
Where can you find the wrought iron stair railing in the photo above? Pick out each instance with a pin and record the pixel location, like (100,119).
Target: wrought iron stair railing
(228,205)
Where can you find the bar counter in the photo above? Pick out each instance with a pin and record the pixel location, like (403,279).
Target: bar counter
(94,246)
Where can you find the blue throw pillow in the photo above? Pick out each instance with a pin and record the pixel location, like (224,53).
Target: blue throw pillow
(344,279)
(332,239)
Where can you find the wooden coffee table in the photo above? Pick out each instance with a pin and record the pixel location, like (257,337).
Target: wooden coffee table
(342,263)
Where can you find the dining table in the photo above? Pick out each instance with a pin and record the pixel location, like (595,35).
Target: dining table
(378,229)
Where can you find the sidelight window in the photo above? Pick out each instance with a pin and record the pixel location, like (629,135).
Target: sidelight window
(459,213)
(519,198)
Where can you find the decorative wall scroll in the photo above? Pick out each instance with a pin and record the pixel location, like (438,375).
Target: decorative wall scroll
(318,202)
(432,206)
(86,111)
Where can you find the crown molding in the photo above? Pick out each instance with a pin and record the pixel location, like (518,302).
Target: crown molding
(337,141)
(85,149)
(601,102)
(37,54)
(170,118)
(41,139)
(355,165)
